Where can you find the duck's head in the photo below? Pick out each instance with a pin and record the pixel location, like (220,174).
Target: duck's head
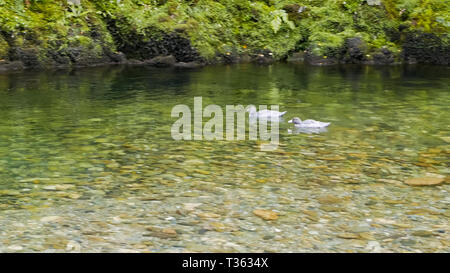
(295,120)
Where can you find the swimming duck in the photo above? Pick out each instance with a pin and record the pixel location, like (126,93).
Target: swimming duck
(309,123)
(264,114)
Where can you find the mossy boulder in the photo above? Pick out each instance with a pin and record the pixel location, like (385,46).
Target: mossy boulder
(314,59)
(296,57)
(153,43)
(420,47)
(263,57)
(355,51)
(29,56)
(383,57)
(163,61)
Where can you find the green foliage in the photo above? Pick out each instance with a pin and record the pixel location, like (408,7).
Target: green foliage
(280,16)
(221,26)
(425,15)
(432,15)
(76,10)
(4,47)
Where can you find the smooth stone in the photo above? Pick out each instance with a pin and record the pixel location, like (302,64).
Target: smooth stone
(266,214)
(424,181)
(348,235)
(392,223)
(57,187)
(9,192)
(162,61)
(114,165)
(374,246)
(74,195)
(208,215)
(191,206)
(165,233)
(188,64)
(423,233)
(73,246)
(15,248)
(193,162)
(219,227)
(201,171)
(48,219)
(169,231)
(312,215)
(329,199)
(329,208)
(390,181)
(408,242)
(359,229)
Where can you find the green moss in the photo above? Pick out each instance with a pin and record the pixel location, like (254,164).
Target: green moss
(220,27)
(79,40)
(4,48)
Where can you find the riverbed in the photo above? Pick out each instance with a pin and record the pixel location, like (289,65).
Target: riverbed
(88,163)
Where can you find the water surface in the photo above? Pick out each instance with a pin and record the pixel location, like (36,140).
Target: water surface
(87,162)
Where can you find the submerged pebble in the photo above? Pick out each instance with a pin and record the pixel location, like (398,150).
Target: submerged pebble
(96,170)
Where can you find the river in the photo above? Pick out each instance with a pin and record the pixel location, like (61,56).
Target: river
(88,163)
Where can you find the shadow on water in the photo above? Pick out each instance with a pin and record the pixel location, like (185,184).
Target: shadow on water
(92,149)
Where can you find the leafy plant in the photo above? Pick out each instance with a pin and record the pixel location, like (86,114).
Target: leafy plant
(76,10)
(280,16)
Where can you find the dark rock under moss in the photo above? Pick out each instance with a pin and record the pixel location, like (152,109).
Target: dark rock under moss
(189,64)
(10,66)
(28,56)
(162,61)
(354,51)
(427,48)
(153,44)
(264,56)
(383,57)
(312,59)
(296,57)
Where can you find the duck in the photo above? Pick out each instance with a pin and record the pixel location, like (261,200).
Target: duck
(309,123)
(264,114)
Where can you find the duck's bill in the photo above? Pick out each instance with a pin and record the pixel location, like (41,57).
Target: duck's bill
(290,121)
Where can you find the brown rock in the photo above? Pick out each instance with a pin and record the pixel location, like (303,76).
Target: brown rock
(423,233)
(348,236)
(424,181)
(329,208)
(170,231)
(163,61)
(329,199)
(208,215)
(312,215)
(48,219)
(266,214)
(164,233)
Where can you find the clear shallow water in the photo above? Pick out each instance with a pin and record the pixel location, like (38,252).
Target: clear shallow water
(87,162)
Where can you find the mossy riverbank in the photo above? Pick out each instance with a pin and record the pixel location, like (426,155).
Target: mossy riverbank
(46,34)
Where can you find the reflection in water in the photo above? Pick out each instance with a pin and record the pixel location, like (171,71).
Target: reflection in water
(307,130)
(93,147)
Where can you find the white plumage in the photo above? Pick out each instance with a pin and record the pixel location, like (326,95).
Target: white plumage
(309,123)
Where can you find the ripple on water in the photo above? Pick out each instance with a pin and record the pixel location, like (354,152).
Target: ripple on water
(84,169)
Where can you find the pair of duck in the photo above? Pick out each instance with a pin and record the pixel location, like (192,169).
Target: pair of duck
(298,123)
